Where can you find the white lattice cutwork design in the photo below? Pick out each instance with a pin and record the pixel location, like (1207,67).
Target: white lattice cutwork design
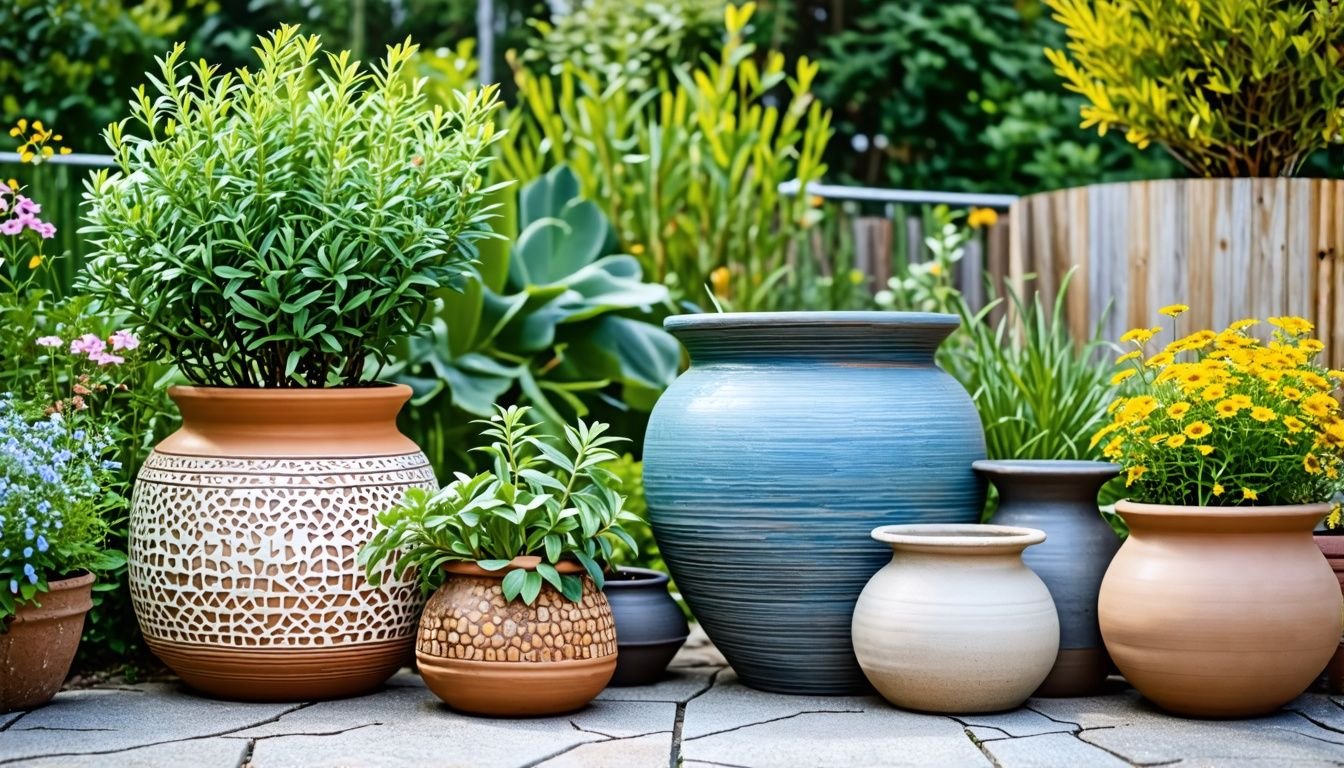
(261,553)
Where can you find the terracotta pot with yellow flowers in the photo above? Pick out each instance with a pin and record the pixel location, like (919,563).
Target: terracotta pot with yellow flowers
(1219,604)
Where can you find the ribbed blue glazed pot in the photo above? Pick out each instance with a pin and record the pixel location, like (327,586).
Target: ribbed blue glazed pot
(767,464)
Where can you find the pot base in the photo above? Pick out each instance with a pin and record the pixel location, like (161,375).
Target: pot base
(643,664)
(1077,672)
(515,689)
(283,674)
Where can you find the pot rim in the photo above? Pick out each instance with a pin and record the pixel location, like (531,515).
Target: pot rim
(958,536)
(1237,512)
(857,318)
(83,579)
(526,562)
(376,391)
(1082,468)
(648,577)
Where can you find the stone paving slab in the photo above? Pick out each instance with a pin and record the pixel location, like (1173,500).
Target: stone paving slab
(700,716)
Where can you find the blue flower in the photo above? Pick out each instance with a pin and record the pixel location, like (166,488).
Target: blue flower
(14,586)
(27,552)
(29,534)
(44,506)
(30,573)
(42,545)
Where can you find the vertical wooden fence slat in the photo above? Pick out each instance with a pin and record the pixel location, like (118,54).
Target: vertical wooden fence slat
(1300,275)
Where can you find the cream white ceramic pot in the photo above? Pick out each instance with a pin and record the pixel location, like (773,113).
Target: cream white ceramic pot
(956,622)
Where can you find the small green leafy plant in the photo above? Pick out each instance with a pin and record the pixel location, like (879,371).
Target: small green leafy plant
(285,226)
(1231,87)
(556,503)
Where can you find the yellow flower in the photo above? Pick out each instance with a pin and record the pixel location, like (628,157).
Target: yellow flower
(1293,326)
(1176,441)
(1292,393)
(1104,431)
(1334,519)
(1217,489)
(720,279)
(1204,450)
(1226,408)
(1241,401)
(936,269)
(1243,324)
(1160,359)
(1311,464)
(982,217)
(1113,448)
(1311,346)
(1248,494)
(1319,405)
(1293,424)
(638,250)
(816,201)
(1122,375)
(1125,358)
(1178,410)
(1155,439)
(1134,474)
(1262,414)
(1197,430)
(1140,335)
(35,262)
(1173,310)
(1214,392)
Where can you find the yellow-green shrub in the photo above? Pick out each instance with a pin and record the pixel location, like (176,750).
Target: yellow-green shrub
(1230,87)
(689,171)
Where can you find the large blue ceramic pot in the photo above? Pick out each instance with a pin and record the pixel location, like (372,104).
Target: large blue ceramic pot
(768,463)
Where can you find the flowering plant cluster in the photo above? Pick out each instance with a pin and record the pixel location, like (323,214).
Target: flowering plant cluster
(52,479)
(1222,419)
(22,234)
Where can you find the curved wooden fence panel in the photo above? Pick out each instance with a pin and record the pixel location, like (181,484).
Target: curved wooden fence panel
(1229,248)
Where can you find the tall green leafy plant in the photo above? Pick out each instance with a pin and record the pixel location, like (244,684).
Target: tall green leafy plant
(1230,87)
(284,226)
(688,171)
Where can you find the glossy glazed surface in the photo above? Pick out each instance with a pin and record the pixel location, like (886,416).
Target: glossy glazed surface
(1060,498)
(767,464)
(1220,612)
(956,622)
(650,627)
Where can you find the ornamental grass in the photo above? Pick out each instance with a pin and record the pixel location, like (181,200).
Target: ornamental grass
(1226,418)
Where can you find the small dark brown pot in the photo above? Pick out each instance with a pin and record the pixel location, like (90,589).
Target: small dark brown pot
(484,655)
(650,627)
(1332,545)
(39,644)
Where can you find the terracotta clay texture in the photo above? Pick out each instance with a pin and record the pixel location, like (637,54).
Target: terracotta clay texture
(1060,498)
(245,527)
(1220,611)
(769,461)
(956,622)
(650,627)
(39,644)
(1333,548)
(486,656)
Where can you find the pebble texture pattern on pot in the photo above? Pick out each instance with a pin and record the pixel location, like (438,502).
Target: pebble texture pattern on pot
(767,464)
(484,655)
(39,642)
(245,528)
(956,622)
(1060,498)
(1220,611)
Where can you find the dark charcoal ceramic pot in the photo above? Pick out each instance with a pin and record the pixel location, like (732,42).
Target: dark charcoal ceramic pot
(767,465)
(1060,498)
(650,627)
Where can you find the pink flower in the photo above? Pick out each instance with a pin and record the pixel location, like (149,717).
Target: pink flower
(46,229)
(106,358)
(50,341)
(24,205)
(124,340)
(11,227)
(88,344)
(4,204)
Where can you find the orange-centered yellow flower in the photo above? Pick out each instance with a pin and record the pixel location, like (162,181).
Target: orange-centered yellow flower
(1262,414)
(1197,430)
(1173,310)
(1178,410)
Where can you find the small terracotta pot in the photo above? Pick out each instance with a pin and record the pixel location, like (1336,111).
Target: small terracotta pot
(246,525)
(1332,546)
(484,655)
(39,644)
(650,627)
(1220,611)
(956,622)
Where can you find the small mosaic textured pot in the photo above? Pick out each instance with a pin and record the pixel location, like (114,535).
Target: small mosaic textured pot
(1220,611)
(484,655)
(246,525)
(956,622)
(39,644)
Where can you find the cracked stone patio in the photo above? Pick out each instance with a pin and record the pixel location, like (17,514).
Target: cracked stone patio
(700,716)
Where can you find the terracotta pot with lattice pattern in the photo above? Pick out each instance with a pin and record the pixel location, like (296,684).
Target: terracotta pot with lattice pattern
(488,656)
(245,528)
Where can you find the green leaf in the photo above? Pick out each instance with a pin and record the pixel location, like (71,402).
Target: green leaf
(493,565)
(550,574)
(513,583)
(531,587)
(572,588)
